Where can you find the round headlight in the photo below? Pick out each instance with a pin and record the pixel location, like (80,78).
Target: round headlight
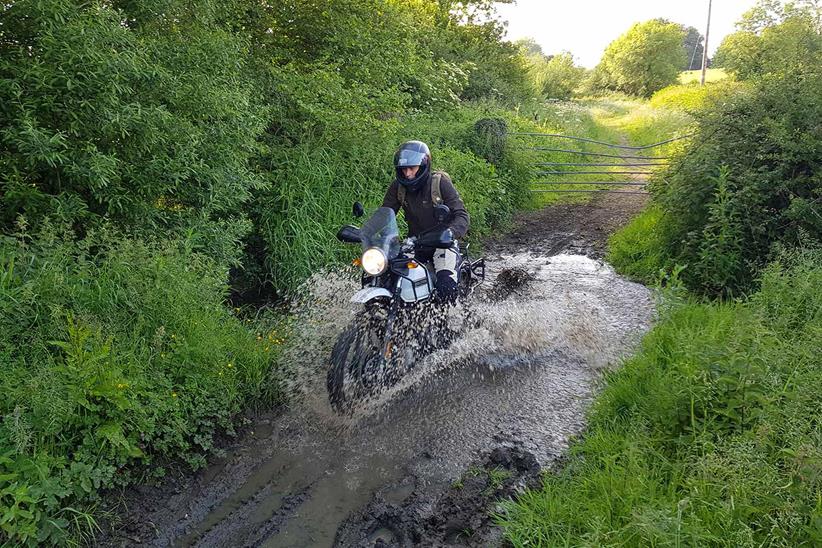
(374,261)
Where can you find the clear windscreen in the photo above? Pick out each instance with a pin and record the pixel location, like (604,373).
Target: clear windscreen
(381,231)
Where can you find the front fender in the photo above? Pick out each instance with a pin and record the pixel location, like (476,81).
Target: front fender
(367,294)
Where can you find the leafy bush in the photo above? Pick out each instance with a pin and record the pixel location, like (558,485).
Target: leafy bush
(708,437)
(555,77)
(496,69)
(165,120)
(115,354)
(750,179)
(152,129)
(694,46)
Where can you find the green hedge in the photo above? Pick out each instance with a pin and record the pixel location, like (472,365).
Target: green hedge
(749,181)
(115,354)
(743,187)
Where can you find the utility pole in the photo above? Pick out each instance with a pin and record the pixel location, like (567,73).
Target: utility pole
(705,48)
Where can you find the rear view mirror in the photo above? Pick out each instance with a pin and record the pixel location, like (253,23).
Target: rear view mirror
(358,210)
(349,234)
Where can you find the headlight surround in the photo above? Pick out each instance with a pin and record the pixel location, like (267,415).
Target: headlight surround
(374,261)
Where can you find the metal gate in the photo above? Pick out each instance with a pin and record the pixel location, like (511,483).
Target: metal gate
(632,158)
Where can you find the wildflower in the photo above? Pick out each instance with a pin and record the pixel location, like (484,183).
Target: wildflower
(219,373)
(174,394)
(230,364)
(266,349)
(121,385)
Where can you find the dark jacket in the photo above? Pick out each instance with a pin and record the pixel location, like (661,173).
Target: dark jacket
(419,211)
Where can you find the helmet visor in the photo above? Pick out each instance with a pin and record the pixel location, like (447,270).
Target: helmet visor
(408,158)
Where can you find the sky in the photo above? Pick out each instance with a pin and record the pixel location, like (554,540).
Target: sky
(586,27)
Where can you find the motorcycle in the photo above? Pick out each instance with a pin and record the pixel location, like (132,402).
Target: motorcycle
(401,320)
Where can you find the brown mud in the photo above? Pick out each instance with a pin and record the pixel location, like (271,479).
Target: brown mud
(428,464)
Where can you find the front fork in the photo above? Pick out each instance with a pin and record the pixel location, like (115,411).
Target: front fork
(388,342)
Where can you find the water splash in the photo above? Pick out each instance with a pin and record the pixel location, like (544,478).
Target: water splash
(566,304)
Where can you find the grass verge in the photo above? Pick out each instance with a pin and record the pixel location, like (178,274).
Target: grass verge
(637,250)
(709,436)
(711,75)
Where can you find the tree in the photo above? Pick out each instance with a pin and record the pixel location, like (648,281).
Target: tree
(740,53)
(555,77)
(643,60)
(694,45)
(529,47)
(773,38)
(496,69)
(766,13)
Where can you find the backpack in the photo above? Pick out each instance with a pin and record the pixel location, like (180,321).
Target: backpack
(436,194)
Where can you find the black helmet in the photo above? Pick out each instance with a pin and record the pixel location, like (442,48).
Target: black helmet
(413,153)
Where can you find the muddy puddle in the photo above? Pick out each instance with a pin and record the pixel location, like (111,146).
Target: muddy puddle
(524,369)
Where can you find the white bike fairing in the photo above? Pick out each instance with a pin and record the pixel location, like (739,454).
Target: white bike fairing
(369,293)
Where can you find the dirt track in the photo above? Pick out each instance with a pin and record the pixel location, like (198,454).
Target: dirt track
(428,466)
(582,229)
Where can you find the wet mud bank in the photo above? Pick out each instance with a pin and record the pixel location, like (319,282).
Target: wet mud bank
(459,516)
(427,463)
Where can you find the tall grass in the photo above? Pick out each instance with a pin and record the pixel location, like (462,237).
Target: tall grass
(641,122)
(692,97)
(710,436)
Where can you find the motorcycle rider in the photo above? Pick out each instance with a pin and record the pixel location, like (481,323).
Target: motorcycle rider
(417,189)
